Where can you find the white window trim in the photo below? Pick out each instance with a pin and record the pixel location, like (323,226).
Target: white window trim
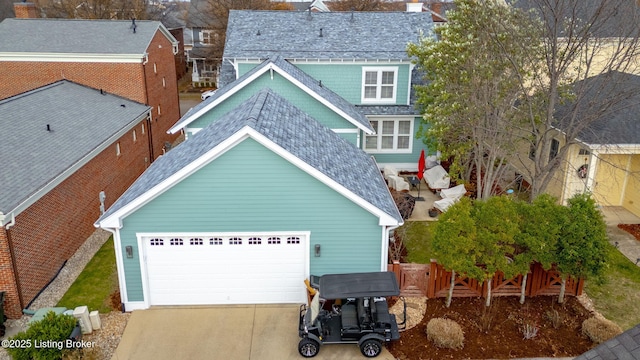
(210,36)
(379,135)
(378,99)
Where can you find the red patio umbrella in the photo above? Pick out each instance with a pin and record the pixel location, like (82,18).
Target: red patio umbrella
(421,166)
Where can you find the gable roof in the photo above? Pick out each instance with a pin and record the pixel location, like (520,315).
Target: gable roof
(284,129)
(345,35)
(297,77)
(352,36)
(624,346)
(82,122)
(610,102)
(72,36)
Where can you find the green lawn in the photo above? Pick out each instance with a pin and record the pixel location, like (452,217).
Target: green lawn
(616,295)
(96,282)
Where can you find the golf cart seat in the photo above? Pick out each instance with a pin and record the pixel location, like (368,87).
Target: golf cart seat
(350,318)
(381,312)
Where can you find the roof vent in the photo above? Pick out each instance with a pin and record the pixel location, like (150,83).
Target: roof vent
(320,32)
(354,19)
(309,17)
(123,105)
(133,25)
(48,128)
(258,34)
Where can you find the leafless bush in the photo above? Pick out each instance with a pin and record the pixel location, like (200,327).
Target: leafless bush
(529,330)
(445,333)
(600,329)
(554,317)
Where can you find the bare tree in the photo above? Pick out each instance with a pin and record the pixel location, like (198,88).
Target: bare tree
(98,9)
(365,5)
(580,39)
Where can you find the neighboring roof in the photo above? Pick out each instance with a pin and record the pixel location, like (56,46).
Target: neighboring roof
(373,284)
(73,36)
(83,121)
(298,77)
(611,103)
(614,19)
(368,36)
(345,35)
(277,124)
(624,346)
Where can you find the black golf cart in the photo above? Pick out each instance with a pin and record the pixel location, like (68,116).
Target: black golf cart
(350,309)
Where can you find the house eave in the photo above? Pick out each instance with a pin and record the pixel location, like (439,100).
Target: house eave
(71,57)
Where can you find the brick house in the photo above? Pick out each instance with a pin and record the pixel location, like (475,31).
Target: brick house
(135,60)
(63,145)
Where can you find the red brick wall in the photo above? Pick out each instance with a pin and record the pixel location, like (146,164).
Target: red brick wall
(162,89)
(138,82)
(7,278)
(51,230)
(123,79)
(25,10)
(181,59)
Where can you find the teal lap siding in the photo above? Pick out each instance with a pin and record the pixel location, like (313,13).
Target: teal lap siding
(247,189)
(286,89)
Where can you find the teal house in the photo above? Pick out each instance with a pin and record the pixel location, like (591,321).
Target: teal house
(251,204)
(349,70)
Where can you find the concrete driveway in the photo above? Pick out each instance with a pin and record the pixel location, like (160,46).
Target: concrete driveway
(240,332)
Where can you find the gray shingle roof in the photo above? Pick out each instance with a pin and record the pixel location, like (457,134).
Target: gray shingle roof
(345,35)
(610,106)
(81,120)
(625,346)
(299,134)
(297,74)
(72,36)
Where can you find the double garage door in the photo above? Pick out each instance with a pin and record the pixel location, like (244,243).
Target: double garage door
(225,269)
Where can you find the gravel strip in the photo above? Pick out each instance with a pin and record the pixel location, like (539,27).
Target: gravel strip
(106,340)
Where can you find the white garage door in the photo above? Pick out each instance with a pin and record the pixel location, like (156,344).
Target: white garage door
(229,269)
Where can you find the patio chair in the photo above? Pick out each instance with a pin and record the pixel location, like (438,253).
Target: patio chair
(437,178)
(449,197)
(395,181)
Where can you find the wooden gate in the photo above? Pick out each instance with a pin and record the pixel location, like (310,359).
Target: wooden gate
(413,279)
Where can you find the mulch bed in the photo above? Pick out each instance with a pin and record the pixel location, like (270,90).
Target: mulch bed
(504,338)
(633,229)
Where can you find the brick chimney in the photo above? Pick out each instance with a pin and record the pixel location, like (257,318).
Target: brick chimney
(25,10)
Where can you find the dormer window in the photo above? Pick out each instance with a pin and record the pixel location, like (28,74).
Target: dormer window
(379,85)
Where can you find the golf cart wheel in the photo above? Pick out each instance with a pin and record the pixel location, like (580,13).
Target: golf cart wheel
(308,347)
(371,348)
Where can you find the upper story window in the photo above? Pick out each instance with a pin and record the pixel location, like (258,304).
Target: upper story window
(553,150)
(392,136)
(208,36)
(379,84)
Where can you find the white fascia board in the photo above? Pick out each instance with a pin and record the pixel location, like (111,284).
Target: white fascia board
(85,58)
(114,221)
(385,219)
(77,165)
(253,77)
(174,129)
(615,148)
(321,99)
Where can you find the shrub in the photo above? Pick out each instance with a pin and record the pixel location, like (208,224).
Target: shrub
(445,333)
(600,329)
(529,330)
(44,339)
(554,317)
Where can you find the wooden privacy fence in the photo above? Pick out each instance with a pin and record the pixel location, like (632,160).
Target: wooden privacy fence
(432,280)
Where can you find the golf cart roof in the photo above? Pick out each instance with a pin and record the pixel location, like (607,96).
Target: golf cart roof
(340,286)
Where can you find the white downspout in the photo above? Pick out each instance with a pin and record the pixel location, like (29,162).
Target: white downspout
(385,246)
(11,223)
